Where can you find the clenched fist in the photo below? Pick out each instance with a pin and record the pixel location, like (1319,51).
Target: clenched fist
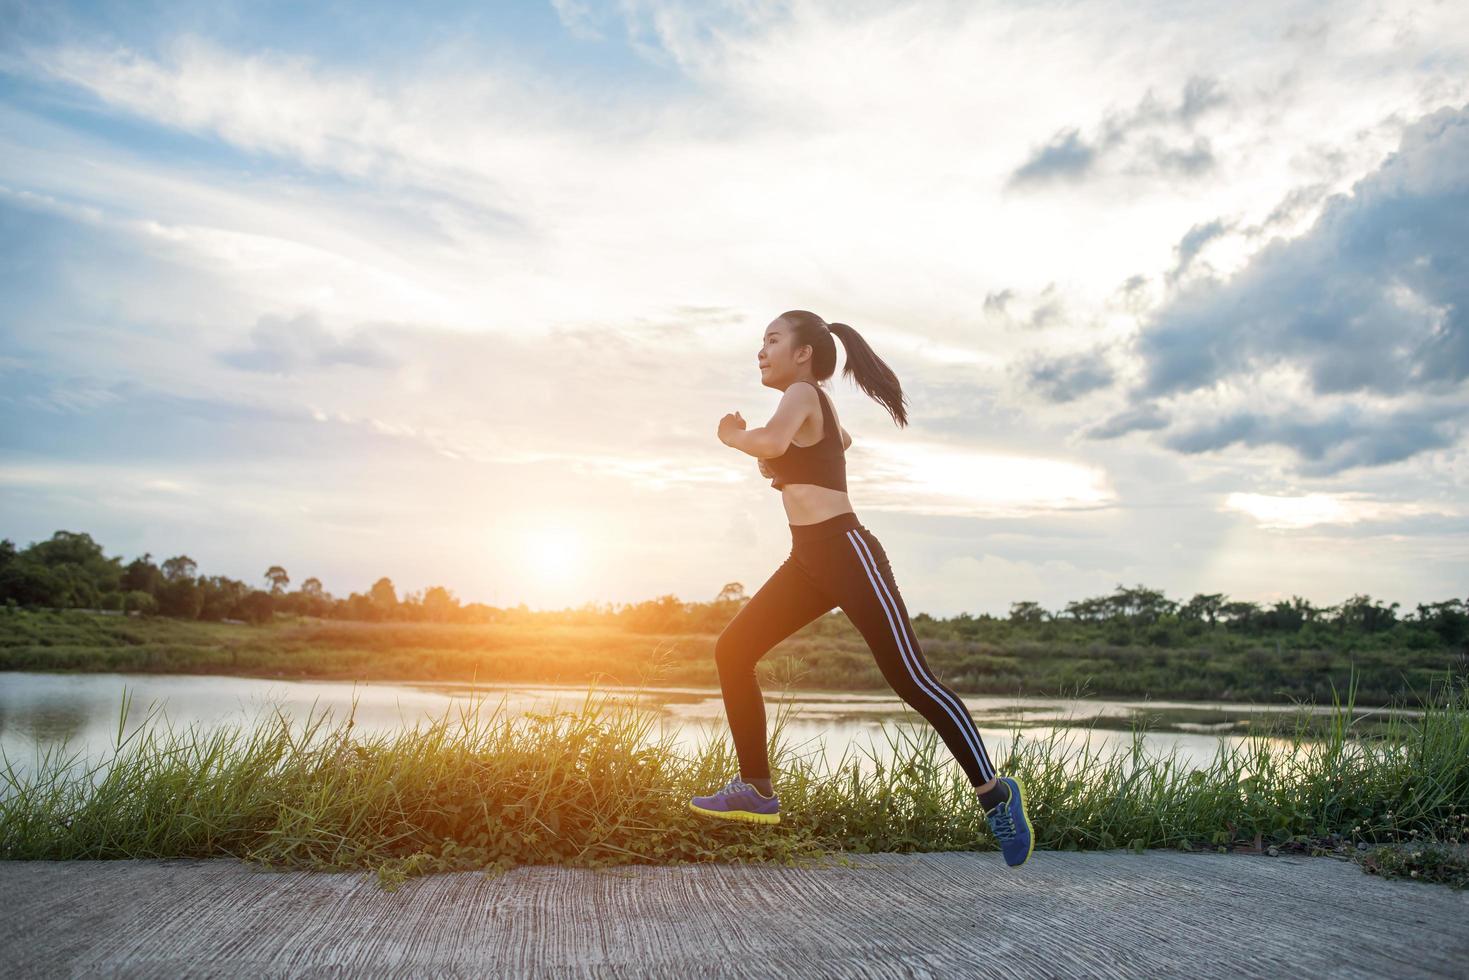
(729,425)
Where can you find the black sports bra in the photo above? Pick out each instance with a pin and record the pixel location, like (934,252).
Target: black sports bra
(823,463)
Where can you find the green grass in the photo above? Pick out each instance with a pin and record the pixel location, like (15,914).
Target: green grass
(594,787)
(1437,861)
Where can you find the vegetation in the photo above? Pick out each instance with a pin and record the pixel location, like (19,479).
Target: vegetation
(1132,643)
(592,788)
(830,654)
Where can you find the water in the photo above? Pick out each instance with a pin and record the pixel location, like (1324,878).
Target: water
(79,714)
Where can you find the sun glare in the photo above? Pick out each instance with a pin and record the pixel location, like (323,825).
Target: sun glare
(553,552)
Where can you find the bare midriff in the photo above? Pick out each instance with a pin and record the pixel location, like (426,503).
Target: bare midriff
(807,503)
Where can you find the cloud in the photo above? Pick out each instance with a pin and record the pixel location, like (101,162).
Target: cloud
(1372,300)
(59,416)
(1049,311)
(579,18)
(996,302)
(1150,131)
(1374,297)
(1047,308)
(1192,243)
(280,345)
(1066,378)
(1065,156)
(1143,417)
(1348,437)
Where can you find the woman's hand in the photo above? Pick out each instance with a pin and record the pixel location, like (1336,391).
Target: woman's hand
(728,425)
(764,470)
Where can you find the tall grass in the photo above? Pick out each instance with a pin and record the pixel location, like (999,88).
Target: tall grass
(593,786)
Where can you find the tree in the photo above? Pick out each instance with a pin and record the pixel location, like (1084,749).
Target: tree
(220,597)
(141,575)
(179,568)
(1202,606)
(1140,604)
(664,614)
(1245,616)
(88,570)
(1361,613)
(384,598)
(181,597)
(1290,616)
(439,604)
(1450,620)
(314,600)
(277,578)
(1087,610)
(258,607)
(1026,612)
(732,592)
(143,603)
(30,583)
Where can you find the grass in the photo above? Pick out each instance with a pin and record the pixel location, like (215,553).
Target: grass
(592,787)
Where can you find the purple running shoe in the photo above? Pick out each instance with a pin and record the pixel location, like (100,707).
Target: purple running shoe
(738,801)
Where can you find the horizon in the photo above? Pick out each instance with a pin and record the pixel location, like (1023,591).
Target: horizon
(293,584)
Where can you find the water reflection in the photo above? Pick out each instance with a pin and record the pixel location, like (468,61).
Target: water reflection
(79,714)
(51,717)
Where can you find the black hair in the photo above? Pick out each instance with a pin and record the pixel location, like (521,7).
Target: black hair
(863,366)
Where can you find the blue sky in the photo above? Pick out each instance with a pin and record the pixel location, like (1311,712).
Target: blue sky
(457,294)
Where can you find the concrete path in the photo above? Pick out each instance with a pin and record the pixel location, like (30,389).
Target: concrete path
(958,914)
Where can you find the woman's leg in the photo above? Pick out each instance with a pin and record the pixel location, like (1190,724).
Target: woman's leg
(863,579)
(788,600)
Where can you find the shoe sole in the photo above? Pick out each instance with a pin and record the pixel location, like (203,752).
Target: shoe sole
(1030,830)
(744,815)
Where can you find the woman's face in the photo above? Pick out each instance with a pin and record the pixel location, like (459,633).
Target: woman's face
(777,358)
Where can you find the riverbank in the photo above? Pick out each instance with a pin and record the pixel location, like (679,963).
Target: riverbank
(591,787)
(1099,914)
(826,655)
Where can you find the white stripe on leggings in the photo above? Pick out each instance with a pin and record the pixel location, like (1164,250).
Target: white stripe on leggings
(925,682)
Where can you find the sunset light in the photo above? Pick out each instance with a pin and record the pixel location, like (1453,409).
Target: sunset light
(552,553)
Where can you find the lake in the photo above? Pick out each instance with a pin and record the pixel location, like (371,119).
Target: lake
(79,713)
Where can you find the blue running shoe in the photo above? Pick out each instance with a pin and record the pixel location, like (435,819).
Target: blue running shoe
(738,801)
(1011,826)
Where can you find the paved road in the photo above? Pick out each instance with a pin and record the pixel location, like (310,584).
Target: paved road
(958,914)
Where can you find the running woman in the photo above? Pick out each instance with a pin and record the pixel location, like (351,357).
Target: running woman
(834,561)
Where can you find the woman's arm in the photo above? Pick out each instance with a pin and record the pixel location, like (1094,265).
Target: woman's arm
(774,437)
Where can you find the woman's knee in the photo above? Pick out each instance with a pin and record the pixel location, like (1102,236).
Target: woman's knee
(916,696)
(730,654)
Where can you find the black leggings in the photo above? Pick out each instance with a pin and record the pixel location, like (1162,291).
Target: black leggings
(836,562)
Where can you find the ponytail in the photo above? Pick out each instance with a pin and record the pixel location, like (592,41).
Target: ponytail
(863,365)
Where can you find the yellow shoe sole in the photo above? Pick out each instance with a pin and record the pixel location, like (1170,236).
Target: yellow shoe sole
(744,815)
(1020,792)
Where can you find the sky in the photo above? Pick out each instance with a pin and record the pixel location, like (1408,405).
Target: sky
(457,293)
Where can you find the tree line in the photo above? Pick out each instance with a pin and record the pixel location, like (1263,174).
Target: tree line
(71,571)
